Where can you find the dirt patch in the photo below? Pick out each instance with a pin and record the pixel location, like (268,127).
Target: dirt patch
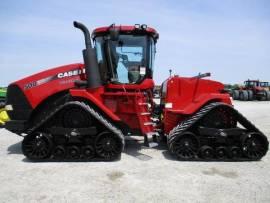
(115,175)
(227,174)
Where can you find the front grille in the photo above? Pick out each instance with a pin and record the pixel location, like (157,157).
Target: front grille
(21,107)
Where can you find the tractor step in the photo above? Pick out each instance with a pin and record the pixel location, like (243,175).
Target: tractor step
(145,113)
(149,123)
(153,137)
(144,104)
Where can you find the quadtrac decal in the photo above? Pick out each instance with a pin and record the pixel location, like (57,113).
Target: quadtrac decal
(62,75)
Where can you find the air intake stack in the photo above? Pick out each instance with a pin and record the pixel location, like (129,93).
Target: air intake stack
(90,59)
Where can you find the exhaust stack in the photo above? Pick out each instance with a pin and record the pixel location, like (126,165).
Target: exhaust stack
(90,59)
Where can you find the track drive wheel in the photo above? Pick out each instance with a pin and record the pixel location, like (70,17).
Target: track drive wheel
(254,145)
(108,145)
(37,146)
(185,146)
(207,152)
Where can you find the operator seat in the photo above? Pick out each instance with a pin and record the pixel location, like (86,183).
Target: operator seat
(133,74)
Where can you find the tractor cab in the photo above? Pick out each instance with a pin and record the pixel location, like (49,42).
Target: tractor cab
(125,54)
(264,84)
(252,83)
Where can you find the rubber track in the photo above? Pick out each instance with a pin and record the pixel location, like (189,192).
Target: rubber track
(187,124)
(87,108)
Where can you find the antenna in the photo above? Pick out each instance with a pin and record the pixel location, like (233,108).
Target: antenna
(170,72)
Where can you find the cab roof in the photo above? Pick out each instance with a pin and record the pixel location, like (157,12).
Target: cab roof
(127,29)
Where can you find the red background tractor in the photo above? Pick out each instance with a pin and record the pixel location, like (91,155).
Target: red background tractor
(252,90)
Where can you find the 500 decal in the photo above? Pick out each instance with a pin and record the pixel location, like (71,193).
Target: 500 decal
(30,85)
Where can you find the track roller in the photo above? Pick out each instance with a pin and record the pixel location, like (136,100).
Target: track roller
(221,152)
(235,152)
(74,152)
(88,152)
(59,152)
(207,152)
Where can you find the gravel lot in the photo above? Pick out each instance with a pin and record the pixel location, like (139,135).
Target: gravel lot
(142,175)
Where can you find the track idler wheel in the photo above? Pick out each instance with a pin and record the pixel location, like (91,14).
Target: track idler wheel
(185,146)
(108,145)
(37,146)
(221,152)
(254,145)
(59,152)
(88,152)
(207,152)
(74,152)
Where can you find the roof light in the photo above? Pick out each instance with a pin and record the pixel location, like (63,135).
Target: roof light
(144,26)
(137,26)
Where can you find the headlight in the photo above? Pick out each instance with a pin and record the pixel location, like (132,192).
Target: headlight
(9,107)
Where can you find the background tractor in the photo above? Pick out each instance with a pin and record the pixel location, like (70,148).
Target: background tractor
(84,111)
(252,90)
(3,92)
(3,113)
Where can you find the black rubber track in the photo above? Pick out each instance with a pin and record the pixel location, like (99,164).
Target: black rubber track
(79,150)
(253,140)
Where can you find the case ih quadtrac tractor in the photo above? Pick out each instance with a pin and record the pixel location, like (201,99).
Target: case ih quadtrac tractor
(84,111)
(252,90)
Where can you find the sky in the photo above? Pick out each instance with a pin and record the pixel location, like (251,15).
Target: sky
(229,38)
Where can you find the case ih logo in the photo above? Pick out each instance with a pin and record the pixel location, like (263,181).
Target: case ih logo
(71,73)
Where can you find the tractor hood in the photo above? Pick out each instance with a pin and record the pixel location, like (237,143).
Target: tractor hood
(41,85)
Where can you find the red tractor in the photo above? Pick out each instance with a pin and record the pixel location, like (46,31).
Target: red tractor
(252,90)
(84,111)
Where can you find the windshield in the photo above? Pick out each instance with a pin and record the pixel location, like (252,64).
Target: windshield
(130,58)
(251,83)
(264,84)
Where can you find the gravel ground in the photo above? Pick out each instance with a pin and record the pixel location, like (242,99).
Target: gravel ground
(142,175)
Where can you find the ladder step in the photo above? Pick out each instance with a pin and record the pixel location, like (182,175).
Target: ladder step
(145,113)
(158,130)
(142,104)
(149,123)
(151,133)
(154,119)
